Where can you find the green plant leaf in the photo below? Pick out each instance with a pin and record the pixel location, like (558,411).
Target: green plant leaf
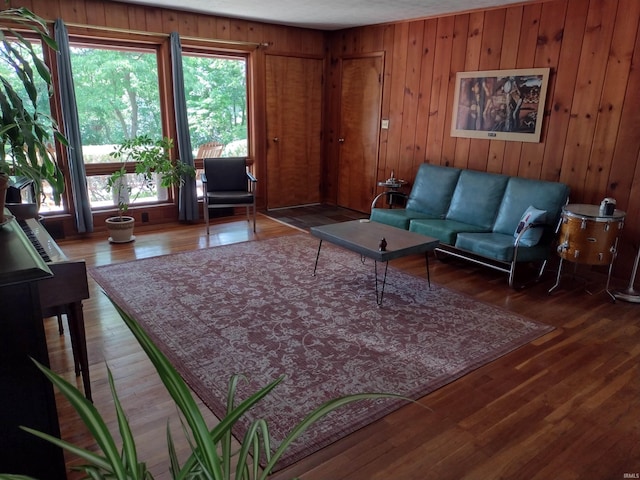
(91,418)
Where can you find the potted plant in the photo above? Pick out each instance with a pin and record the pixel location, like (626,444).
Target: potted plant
(25,141)
(153,163)
(212,454)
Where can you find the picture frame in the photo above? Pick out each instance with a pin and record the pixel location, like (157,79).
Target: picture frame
(500,104)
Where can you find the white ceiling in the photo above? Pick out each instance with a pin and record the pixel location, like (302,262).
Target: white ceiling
(327,14)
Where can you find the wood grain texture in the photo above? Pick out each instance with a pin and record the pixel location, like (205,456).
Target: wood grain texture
(587,140)
(589,137)
(564,406)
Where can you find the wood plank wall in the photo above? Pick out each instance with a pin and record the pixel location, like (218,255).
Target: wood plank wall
(591,129)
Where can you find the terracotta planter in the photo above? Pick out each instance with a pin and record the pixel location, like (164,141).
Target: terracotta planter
(120,229)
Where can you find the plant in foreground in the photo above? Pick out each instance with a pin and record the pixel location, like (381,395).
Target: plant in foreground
(212,455)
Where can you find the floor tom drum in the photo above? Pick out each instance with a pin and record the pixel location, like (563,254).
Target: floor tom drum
(588,237)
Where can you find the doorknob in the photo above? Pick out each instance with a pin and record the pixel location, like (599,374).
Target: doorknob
(276,139)
(341,140)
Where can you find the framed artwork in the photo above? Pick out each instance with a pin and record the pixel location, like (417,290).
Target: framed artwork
(500,104)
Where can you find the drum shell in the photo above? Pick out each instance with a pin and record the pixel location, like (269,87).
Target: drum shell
(588,240)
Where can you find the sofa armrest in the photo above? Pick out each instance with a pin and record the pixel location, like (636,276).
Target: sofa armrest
(516,243)
(387,193)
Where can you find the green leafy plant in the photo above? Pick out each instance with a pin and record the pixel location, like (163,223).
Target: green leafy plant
(25,141)
(150,157)
(212,454)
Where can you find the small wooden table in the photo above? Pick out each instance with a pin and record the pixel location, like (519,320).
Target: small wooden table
(365,237)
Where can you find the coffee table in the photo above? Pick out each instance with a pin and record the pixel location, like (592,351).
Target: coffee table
(365,237)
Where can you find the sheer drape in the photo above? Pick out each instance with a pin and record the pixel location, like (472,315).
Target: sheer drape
(79,193)
(188,201)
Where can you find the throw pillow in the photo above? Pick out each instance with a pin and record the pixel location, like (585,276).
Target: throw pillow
(532,236)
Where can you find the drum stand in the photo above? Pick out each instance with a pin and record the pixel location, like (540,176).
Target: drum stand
(564,246)
(630,295)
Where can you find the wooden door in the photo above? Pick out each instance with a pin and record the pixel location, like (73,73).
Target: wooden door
(360,101)
(294,130)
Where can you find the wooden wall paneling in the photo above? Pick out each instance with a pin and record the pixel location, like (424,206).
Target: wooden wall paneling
(588,90)
(525,57)
(508,57)
(546,56)
(330,166)
(170,21)
(475,150)
(424,94)
(255,32)
(96,12)
(138,17)
(624,164)
(624,174)
(205,26)
(396,102)
(459,146)
(613,95)
(490,53)
(372,39)
(563,92)
(240,30)
(442,72)
(153,19)
(223,28)
(388,34)
(411,92)
(478,150)
(44,8)
(117,15)
(74,9)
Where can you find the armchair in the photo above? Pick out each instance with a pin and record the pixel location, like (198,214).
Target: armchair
(226,183)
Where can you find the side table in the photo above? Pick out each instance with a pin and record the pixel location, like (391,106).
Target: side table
(392,186)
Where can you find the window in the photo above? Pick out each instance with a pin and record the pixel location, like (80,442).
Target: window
(43,107)
(216,96)
(118,98)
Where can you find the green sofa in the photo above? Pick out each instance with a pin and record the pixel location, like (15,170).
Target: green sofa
(492,219)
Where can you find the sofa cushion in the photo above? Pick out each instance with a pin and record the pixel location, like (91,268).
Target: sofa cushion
(477,198)
(531,216)
(444,230)
(396,217)
(432,190)
(499,246)
(522,193)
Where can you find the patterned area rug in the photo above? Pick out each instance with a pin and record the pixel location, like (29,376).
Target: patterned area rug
(255,308)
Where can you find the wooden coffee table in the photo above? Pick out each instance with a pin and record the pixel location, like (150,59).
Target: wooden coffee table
(365,237)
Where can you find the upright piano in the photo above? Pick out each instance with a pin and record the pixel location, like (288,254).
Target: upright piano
(30,288)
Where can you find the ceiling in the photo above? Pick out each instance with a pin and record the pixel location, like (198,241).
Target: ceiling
(327,14)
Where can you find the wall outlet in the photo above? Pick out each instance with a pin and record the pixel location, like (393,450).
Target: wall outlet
(385,124)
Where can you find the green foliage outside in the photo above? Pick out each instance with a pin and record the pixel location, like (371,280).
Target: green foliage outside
(118,96)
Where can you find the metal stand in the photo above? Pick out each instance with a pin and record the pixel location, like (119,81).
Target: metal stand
(630,295)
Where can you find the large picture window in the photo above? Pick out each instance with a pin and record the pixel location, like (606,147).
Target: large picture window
(118,98)
(43,108)
(216,95)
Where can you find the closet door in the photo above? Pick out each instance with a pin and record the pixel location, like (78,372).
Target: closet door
(294,130)
(360,104)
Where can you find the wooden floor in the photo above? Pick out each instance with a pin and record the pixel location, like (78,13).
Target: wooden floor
(566,406)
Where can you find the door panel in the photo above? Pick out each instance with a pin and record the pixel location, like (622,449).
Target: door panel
(361,96)
(294,130)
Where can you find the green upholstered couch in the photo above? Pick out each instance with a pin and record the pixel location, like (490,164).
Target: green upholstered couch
(479,216)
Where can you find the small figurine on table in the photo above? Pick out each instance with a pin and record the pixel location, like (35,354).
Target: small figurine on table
(383,245)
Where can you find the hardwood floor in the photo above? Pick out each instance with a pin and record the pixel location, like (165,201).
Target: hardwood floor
(566,406)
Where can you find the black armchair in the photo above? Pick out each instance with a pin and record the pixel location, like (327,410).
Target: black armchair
(226,183)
